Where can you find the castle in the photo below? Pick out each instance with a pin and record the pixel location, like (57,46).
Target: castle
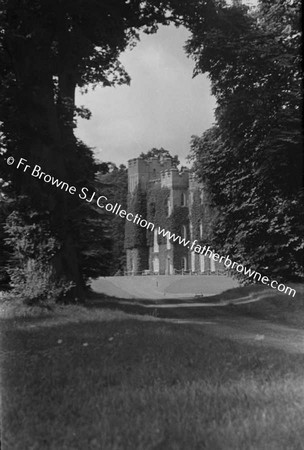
(174,200)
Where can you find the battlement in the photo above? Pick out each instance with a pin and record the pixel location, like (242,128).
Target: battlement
(184,190)
(149,165)
(173,178)
(141,171)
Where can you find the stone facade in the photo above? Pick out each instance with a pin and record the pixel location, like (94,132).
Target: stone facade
(184,194)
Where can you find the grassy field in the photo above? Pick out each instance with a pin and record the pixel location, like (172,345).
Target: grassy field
(271,305)
(121,382)
(159,286)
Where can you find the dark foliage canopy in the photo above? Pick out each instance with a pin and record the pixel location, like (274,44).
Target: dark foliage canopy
(114,185)
(47,49)
(160,153)
(252,159)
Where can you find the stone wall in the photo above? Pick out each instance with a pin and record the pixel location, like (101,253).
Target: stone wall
(179,200)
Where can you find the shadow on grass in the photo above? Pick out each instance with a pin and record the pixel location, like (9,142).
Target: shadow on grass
(270,305)
(267,304)
(132,385)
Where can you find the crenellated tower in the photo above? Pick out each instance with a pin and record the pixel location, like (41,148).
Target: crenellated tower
(183,198)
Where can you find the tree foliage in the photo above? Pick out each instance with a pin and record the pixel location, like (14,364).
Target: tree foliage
(252,159)
(47,49)
(31,273)
(114,185)
(160,153)
(4,253)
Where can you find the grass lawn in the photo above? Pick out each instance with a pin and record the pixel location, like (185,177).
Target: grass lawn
(118,382)
(271,305)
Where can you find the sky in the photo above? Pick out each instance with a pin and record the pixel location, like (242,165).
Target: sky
(163,107)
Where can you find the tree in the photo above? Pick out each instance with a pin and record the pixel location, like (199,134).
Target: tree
(114,185)
(4,253)
(47,49)
(160,153)
(252,159)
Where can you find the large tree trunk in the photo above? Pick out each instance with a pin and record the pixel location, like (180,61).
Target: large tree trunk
(66,262)
(42,125)
(49,142)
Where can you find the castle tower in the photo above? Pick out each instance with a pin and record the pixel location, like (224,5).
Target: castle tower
(188,215)
(141,172)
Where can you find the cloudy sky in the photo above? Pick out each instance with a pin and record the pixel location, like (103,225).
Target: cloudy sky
(162,107)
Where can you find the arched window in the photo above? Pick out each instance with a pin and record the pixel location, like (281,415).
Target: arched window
(168,207)
(156,246)
(201,229)
(191,230)
(156,264)
(169,267)
(168,243)
(212,265)
(184,263)
(183,199)
(191,198)
(193,261)
(184,231)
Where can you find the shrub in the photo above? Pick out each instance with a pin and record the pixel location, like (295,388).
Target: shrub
(31,270)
